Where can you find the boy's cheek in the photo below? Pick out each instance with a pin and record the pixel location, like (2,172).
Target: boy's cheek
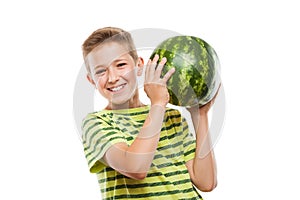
(100,86)
(129,73)
(103,93)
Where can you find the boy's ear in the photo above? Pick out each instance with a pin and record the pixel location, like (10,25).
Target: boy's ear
(90,79)
(140,65)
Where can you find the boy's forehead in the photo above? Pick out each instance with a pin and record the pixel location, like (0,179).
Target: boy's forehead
(106,54)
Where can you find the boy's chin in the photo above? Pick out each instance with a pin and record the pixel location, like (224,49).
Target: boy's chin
(120,103)
(122,100)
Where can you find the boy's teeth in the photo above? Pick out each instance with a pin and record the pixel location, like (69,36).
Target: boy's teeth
(117,88)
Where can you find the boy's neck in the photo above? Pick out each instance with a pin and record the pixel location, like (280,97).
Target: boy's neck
(126,105)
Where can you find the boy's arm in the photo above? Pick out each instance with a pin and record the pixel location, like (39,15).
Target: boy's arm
(202,168)
(135,160)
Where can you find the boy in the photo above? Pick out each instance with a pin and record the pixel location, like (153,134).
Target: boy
(136,150)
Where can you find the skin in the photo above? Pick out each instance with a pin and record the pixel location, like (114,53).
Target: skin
(202,168)
(114,74)
(111,67)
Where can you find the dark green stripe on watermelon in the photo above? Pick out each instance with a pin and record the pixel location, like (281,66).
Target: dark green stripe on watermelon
(195,79)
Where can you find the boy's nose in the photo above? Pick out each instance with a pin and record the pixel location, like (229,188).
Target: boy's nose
(113,75)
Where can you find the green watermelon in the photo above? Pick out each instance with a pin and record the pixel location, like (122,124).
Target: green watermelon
(196,79)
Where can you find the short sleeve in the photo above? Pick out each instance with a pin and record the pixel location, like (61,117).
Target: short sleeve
(98,135)
(189,142)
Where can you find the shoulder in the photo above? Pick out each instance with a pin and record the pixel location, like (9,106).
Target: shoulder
(100,115)
(98,123)
(99,118)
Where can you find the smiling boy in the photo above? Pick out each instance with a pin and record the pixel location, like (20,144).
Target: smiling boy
(136,150)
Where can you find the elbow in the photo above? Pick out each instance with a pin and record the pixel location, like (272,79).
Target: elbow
(137,176)
(208,187)
(140,176)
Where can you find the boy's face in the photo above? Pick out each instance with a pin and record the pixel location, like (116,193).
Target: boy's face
(113,72)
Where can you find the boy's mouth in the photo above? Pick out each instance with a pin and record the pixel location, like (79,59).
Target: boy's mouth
(116,88)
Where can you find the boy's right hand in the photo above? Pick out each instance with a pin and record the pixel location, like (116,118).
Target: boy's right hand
(155,86)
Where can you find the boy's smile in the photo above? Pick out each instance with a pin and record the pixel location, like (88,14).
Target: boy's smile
(117,88)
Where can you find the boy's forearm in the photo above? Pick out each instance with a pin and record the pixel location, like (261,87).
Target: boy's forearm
(148,137)
(204,165)
(137,158)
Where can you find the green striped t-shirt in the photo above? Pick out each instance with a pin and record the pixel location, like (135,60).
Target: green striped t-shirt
(168,176)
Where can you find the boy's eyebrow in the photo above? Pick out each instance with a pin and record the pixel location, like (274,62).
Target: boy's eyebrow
(99,66)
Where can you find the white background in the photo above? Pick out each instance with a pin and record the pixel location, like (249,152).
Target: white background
(40,47)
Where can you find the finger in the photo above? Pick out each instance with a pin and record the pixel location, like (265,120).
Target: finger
(219,87)
(147,69)
(155,58)
(217,91)
(168,75)
(212,101)
(153,64)
(160,66)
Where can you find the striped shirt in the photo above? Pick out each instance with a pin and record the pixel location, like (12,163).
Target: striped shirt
(168,176)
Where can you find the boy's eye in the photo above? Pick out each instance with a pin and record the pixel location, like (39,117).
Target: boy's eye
(100,71)
(121,64)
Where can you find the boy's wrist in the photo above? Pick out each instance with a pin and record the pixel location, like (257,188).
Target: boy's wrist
(153,123)
(197,112)
(203,112)
(161,104)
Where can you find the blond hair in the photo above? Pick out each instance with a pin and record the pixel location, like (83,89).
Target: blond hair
(108,34)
